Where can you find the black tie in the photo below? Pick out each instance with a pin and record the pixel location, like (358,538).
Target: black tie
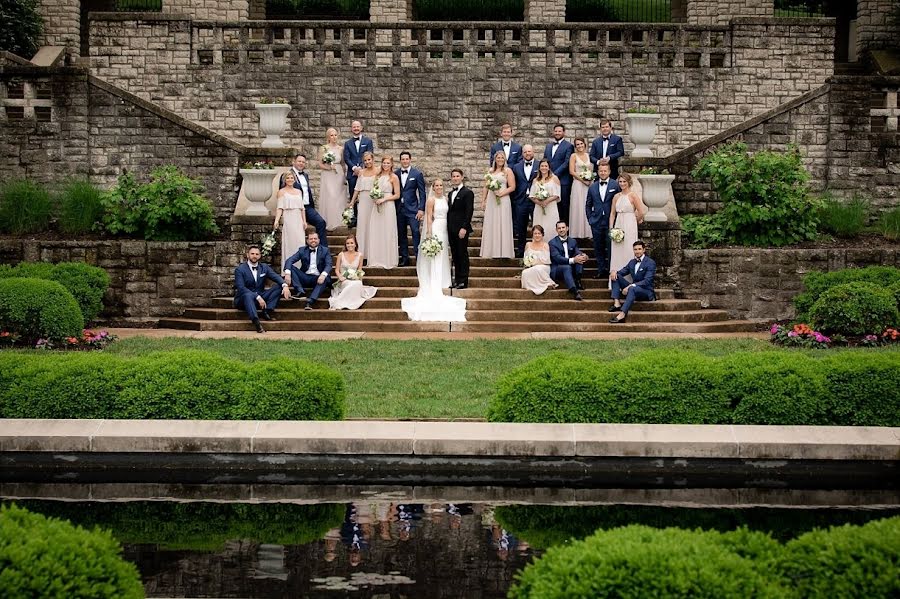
(404,172)
(253,268)
(602,183)
(505,144)
(605,139)
(528,164)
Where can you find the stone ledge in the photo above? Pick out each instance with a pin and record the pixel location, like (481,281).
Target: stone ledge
(423,439)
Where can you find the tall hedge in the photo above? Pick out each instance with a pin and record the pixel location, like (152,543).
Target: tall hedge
(52,559)
(39,309)
(86,283)
(185,385)
(683,387)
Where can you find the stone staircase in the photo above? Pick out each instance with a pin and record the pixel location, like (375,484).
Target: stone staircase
(495,303)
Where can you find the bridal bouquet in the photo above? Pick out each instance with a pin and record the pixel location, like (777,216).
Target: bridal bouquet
(376,194)
(542,194)
(347,216)
(493,184)
(586,174)
(267,244)
(431,246)
(529,260)
(328,157)
(354,274)
(617,235)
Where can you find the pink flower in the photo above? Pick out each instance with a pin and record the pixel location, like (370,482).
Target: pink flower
(774,330)
(792,334)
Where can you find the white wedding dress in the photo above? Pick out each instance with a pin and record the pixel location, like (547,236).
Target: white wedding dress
(430,303)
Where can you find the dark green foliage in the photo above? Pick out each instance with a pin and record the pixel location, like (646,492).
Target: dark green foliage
(168,208)
(815,283)
(51,559)
(171,385)
(80,207)
(861,391)
(38,309)
(25,207)
(681,387)
(703,231)
(199,526)
(844,218)
(855,309)
(21,38)
(469,10)
(848,561)
(765,197)
(889,224)
(895,289)
(88,284)
(318,9)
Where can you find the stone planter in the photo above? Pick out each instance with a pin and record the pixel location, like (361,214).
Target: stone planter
(642,131)
(657,192)
(257,189)
(272,121)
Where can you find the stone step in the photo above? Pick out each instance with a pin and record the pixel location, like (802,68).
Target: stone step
(474,251)
(729,326)
(391,326)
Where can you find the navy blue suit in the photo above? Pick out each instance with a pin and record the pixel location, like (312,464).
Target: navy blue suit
(598,207)
(615,149)
(412,199)
(522,206)
(515,152)
(247,288)
(642,288)
(312,216)
(560,269)
(299,263)
(353,158)
(559,164)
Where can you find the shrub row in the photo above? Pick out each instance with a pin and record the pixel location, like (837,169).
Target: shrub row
(638,561)
(38,309)
(171,385)
(816,283)
(50,558)
(855,309)
(86,283)
(683,387)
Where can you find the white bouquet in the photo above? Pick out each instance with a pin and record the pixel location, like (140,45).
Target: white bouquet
(586,174)
(354,274)
(529,260)
(431,246)
(376,194)
(268,244)
(347,216)
(328,157)
(617,235)
(542,194)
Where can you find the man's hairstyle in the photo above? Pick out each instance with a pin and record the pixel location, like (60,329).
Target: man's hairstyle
(505,125)
(559,125)
(310,231)
(637,243)
(298,155)
(405,153)
(253,246)
(561,222)
(458,170)
(605,122)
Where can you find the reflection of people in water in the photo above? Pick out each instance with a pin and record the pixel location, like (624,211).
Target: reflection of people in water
(502,541)
(356,532)
(332,538)
(406,516)
(456,512)
(384,513)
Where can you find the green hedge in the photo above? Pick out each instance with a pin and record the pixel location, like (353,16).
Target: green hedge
(88,284)
(638,561)
(855,309)
(815,283)
(50,558)
(199,526)
(39,309)
(683,387)
(167,385)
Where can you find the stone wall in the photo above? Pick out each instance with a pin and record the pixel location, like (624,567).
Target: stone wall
(708,12)
(877,26)
(545,11)
(761,283)
(209,10)
(62,23)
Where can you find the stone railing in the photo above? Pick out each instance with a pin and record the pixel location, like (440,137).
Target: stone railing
(459,44)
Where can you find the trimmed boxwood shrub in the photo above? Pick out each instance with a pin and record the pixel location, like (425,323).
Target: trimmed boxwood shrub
(167,385)
(50,558)
(854,309)
(37,309)
(682,387)
(815,283)
(88,284)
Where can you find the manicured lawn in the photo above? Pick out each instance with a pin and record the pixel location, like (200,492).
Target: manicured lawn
(428,379)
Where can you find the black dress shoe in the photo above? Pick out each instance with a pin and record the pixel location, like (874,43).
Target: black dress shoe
(578,296)
(614,308)
(599,276)
(403,263)
(615,320)
(579,285)
(259,327)
(267,315)
(461,286)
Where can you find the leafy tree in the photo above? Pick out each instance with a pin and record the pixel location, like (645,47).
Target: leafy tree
(22,27)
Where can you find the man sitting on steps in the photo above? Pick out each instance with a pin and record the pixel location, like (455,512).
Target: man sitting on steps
(567,261)
(310,266)
(250,293)
(641,269)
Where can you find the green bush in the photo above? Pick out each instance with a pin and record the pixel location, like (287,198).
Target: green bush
(703,231)
(334,10)
(844,218)
(889,224)
(88,284)
(815,283)
(168,208)
(855,309)
(895,289)
(38,309)
(682,387)
(469,10)
(21,39)
(765,197)
(862,391)
(81,207)
(49,558)
(638,561)
(848,561)
(167,385)
(25,207)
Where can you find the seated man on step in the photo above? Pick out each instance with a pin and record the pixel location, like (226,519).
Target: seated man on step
(310,266)
(641,269)
(250,293)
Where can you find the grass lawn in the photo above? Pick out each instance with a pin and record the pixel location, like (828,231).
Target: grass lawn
(428,379)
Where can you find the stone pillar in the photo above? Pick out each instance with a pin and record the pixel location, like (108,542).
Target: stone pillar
(390,11)
(257,10)
(679,11)
(545,11)
(720,12)
(62,23)
(215,10)
(876,22)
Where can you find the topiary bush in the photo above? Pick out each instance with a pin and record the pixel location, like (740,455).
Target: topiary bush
(38,309)
(167,385)
(854,309)
(80,207)
(861,391)
(25,207)
(23,38)
(815,283)
(86,283)
(50,558)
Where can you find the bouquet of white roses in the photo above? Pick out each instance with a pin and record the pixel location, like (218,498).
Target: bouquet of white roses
(328,157)
(431,246)
(268,243)
(542,194)
(586,174)
(529,260)
(617,235)
(493,184)
(354,274)
(347,216)
(376,194)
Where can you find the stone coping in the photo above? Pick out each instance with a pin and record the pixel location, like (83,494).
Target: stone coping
(421,439)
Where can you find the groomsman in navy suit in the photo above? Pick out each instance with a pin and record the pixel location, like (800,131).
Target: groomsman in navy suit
(522,206)
(310,266)
(598,208)
(354,148)
(411,210)
(608,148)
(301,182)
(506,145)
(641,269)
(250,293)
(566,261)
(558,152)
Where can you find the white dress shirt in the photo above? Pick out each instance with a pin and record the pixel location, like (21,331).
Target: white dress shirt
(313,262)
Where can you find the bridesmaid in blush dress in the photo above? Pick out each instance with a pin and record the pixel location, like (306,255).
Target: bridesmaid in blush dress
(349,294)
(536,278)
(497,232)
(364,182)
(333,191)
(382,235)
(546,212)
(582,172)
(291,212)
(627,213)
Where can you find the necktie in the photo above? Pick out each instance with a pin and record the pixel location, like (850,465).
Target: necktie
(505,144)
(527,165)
(603,183)
(404,172)
(253,269)
(605,139)
(637,265)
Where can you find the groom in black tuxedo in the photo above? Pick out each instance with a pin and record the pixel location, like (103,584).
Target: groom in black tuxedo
(459,226)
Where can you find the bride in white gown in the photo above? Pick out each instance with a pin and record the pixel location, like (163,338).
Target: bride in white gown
(430,303)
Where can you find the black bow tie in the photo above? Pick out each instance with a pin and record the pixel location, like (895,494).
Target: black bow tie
(253,268)
(528,164)
(301,173)
(605,139)
(604,182)
(505,143)
(404,172)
